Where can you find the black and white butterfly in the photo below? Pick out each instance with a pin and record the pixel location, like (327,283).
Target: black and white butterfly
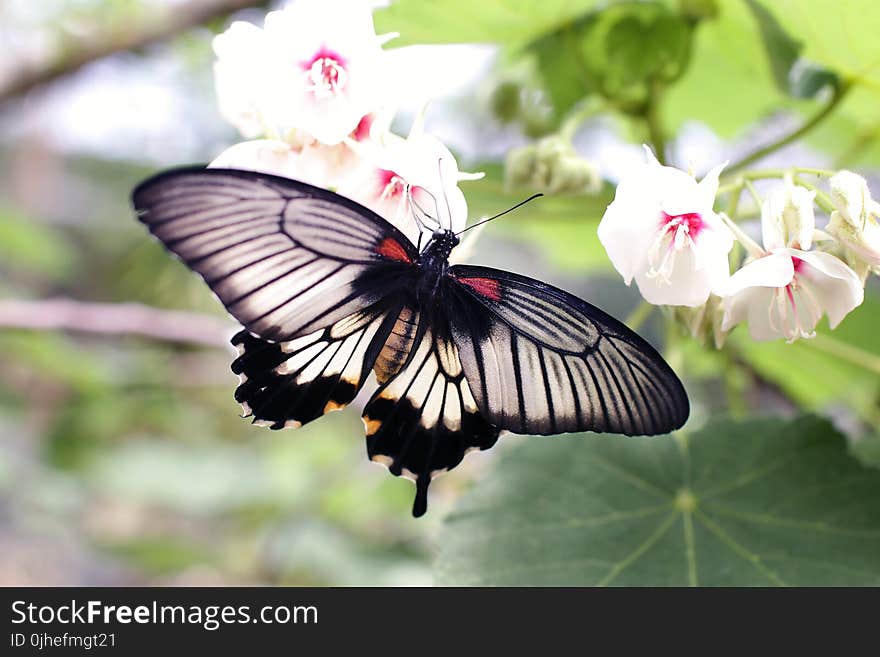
(328,291)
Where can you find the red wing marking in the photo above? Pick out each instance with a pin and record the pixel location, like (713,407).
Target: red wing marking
(487,287)
(390,248)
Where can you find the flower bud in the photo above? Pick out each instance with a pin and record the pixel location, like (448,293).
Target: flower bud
(854,223)
(788,214)
(851,196)
(551,165)
(704,323)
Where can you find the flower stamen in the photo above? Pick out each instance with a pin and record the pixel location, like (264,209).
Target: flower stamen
(677,232)
(325,74)
(390,185)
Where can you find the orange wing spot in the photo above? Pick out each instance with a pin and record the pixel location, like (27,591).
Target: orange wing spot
(333,406)
(486,287)
(392,249)
(371,426)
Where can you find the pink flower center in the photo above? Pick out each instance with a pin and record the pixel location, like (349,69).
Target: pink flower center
(390,184)
(676,232)
(362,132)
(792,287)
(325,73)
(802,304)
(690,223)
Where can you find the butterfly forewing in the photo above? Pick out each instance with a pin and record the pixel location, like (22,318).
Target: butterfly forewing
(285,258)
(542,361)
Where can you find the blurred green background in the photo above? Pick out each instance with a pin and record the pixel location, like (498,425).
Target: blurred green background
(122,457)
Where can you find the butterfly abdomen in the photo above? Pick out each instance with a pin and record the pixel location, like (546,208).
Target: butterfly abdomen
(397,347)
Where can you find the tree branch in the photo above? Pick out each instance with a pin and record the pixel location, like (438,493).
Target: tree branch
(117,319)
(164,25)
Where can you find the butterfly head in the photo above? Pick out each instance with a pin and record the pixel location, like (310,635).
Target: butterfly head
(441,244)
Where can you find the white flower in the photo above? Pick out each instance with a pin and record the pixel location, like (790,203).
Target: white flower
(407,181)
(316,164)
(317,66)
(854,222)
(240,74)
(662,231)
(784,291)
(313,162)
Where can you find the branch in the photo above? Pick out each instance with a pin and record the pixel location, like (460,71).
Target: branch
(839,94)
(165,25)
(117,319)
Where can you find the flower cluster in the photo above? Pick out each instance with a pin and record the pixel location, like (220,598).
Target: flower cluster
(310,91)
(662,230)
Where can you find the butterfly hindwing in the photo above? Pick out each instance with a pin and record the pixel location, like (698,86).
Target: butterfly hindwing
(423,420)
(294,382)
(541,361)
(284,257)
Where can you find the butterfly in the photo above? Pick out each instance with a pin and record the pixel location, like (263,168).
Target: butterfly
(328,291)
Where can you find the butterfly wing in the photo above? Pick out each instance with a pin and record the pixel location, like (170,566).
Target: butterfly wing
(284,257)
(541,361)
(422,421)
(287,384)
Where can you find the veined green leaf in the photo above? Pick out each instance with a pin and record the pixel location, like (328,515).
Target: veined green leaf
(760,503)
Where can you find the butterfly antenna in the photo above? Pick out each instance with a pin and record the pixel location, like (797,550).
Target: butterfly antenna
(416,204)
(501,214)
(412,206)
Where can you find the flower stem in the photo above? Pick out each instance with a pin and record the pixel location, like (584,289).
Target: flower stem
(743,180)
(754,192)
(654,125)
(845,351)
(751,246)
(822,199)
(638,316)
(839,94)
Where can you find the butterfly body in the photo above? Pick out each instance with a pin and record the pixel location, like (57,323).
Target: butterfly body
(329,292)
(434,259)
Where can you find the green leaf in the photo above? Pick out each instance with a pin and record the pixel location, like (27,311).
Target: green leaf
(867,450)
(841,37)
(619,52)
(782,50)
(765,502)
(808,80)
(511,23)
(728,84)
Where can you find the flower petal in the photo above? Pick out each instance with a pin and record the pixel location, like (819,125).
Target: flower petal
(708,186)
(836,287)
(772,226)
(264,155)
(683,287)
(851,196)
(627,229)
(772,270)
